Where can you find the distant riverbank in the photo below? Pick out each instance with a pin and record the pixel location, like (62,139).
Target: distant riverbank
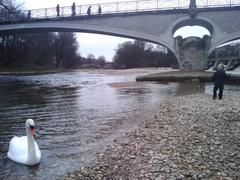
(36,71)
(142,74)
(191,137)
(30,71)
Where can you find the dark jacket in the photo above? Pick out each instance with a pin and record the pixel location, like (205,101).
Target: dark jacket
(219,78)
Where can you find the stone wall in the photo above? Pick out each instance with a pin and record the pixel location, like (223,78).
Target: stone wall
(192,52)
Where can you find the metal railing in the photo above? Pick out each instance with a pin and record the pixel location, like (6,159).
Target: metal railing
(113,8)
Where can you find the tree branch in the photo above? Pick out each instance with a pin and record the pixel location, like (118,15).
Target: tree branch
(5,7)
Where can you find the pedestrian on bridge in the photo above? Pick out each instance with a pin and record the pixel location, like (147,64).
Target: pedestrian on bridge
(219,78)
(99,10)
(89,10)
(29,15)
(73,9)
(58,10)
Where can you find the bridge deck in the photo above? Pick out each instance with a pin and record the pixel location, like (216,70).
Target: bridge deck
(111,9)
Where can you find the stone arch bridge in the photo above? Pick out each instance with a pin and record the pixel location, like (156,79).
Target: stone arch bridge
(155,25)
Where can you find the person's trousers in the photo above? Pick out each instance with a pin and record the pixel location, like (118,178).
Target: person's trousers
(220,93)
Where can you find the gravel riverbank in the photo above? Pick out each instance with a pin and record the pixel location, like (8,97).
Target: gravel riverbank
(191,137)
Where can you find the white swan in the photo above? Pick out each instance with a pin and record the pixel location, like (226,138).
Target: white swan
(24,149)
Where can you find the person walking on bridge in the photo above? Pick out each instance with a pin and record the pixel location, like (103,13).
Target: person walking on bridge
(219,78)
(29,15)
(89,10)
(73,9)
(58,10)
(99,10)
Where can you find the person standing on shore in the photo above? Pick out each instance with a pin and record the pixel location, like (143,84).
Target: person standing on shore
(219,78)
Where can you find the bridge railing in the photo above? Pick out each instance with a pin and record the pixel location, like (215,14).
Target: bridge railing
(217,3)
(114,8)
(109,8)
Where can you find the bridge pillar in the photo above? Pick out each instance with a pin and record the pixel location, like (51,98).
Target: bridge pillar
(229,63)
(192,4)
(192,9)
(192,52)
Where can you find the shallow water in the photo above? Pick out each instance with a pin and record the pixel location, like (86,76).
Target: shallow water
(78,115)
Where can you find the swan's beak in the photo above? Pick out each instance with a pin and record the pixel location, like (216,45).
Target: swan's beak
(33,131)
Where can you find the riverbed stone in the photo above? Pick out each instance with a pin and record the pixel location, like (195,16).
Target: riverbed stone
(191,137)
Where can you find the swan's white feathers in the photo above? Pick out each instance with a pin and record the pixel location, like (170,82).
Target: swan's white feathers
(18,145)
(18,150)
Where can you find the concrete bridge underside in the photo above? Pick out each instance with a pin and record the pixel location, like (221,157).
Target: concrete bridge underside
(156,26)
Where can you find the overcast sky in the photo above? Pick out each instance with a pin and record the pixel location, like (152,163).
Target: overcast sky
(93,43)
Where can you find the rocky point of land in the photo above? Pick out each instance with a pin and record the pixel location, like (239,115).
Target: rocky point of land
(191,137)
(181,76)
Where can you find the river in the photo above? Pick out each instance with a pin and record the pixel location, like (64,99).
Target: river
(78,115)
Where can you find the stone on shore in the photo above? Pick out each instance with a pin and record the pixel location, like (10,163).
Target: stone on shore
(191,137)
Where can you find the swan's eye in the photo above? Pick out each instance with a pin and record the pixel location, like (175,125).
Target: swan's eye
(32,127)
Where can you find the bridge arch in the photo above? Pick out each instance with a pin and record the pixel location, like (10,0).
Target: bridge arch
(229,38)
(192,22)
(64,26)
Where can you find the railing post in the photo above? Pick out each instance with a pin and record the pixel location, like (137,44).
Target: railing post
(117,7)
(45,12)
(157,4)
(137,6)
(62,12)
(8,17)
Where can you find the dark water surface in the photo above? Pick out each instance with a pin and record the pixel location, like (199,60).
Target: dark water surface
(78,114)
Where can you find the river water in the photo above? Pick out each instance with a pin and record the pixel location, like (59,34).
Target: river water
(78,115)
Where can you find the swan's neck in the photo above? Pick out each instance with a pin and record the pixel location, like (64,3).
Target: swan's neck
(31,147)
